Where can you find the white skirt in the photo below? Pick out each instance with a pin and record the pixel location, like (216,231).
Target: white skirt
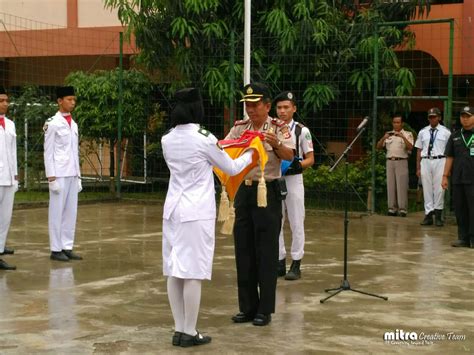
(188,248)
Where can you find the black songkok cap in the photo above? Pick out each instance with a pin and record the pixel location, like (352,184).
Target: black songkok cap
(285,96)
(63,91)
(187,95)
(255,92)
(3,91)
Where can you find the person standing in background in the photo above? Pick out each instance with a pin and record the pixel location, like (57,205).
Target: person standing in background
(293,205)
(430,160)
(460,166)
(398,144)
(61,161)
(8,176)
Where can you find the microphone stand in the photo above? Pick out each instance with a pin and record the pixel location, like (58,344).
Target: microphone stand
(345,286)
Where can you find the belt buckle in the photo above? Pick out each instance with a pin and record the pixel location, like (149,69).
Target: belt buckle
(392,158)
(248,182)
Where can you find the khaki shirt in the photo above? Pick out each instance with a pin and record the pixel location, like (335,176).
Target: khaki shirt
(396,147)
(273,166)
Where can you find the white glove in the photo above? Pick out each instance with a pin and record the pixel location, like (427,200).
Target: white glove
(79,185)
(54,187)
(15,185)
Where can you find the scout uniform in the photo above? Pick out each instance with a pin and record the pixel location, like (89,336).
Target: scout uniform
(61,160)
(294,202)
(8,181)
(397,173)
(461,148)
(256,229)
(432,142)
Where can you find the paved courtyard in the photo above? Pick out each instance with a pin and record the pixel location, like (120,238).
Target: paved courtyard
(114,301)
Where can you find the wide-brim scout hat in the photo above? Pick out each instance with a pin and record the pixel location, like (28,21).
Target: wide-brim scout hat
(467,110)
(434,112)
(255,92)
(285,96)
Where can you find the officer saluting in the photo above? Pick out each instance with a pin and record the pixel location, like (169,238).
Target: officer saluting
(61,161)
(460,165)
(256,229)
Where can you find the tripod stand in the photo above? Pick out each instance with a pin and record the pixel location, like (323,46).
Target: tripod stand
(345,286)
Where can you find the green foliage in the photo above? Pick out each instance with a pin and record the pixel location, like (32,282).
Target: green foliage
(189,41)
(33,107)
(359,176)
(98,98)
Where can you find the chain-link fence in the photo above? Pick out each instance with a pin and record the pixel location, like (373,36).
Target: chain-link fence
(333,87)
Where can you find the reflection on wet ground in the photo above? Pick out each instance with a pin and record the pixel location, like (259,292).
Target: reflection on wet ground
(115,300)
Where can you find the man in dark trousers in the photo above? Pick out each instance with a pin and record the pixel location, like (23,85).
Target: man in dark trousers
(256,229)
(460,166)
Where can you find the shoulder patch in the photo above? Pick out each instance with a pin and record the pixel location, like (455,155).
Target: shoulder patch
(278,122)
(204,132)
(240,122)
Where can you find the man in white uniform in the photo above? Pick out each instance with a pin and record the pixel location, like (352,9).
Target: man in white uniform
(61,161)
(294,203)
(430,159)
(8,176)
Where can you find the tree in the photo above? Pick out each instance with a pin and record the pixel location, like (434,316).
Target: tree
(31,108)
(97,104)
(323,47)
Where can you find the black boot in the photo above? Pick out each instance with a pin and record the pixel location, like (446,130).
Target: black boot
(294,273)
(281,267)
(428,221)
(438,220)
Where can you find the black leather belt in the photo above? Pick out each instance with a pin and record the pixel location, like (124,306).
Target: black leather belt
(394,158)
(435,157)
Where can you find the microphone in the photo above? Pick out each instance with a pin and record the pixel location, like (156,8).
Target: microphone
(363,123)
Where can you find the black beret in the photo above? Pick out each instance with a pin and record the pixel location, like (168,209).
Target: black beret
(2,91)
(285,96)
(467,110)
(434,112)
(187,95)
(63,91)
(255,92)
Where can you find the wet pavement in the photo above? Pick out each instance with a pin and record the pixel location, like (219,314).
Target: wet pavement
(114,301)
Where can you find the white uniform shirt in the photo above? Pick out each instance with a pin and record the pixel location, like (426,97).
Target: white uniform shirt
(305,141)
(61,147)
(396,147)
(8,159)
(190,156)
(441,136)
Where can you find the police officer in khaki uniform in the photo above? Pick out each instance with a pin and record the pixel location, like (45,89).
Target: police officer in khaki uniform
(8,176)
(398,144)
(256,229)
(460,166)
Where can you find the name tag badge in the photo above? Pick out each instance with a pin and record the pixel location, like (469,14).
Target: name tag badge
(472,151)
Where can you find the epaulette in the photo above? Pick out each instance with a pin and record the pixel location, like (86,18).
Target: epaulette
(301,125)
(278,122)
(204,131)
(241,122)
(49,119)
